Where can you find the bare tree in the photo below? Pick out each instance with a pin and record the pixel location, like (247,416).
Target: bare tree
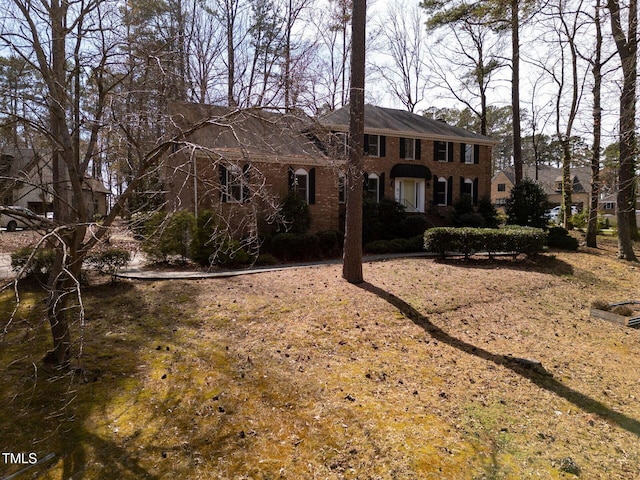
(403,39)
(562,65)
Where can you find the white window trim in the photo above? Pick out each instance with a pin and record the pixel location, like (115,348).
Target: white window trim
(377,154)
(469,181)
(446,152)
(376,194)
(412,142)
(446,188)
(469,153)
(299,173)
(235,178)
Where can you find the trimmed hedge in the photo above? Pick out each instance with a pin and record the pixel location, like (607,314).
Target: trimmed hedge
(397,245)
(467,241)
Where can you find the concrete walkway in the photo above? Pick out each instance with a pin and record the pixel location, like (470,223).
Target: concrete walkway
(140,274)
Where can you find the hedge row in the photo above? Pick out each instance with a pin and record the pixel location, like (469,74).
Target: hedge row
(467,241)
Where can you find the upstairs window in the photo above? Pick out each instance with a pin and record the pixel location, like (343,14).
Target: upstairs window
(410,148)
(443,151)
(375,145)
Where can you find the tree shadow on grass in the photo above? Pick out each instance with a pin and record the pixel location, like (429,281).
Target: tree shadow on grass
(541,379)
(45,409)
(547,264)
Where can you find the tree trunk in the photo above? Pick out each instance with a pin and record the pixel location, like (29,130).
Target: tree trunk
(352,266)
(515,90)
(627,50)
(592,224)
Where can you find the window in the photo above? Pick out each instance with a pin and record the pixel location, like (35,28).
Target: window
(341,143)
(342,193)
(375,145)
(372,187)
(234,182)
(441,191)
(301,183)
(469,154)
(466,188)
(502,187)
(410,148)
(443,151)
(609,205)
(410,193)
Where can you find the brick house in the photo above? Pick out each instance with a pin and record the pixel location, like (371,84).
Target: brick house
(243,161)
(424,164)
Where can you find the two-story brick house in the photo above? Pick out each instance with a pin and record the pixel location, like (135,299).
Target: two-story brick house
(424,164)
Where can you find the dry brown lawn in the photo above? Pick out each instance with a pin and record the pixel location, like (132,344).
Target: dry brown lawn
(416,374)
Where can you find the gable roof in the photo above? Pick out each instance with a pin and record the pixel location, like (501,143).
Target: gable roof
(394,122)
(548,176)
(254,132)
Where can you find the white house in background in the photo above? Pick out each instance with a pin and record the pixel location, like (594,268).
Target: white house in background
(26,178)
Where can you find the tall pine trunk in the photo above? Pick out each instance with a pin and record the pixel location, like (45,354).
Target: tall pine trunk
(352,262)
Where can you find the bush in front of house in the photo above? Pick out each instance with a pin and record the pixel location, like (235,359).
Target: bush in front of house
(527,205)
(35,263)
(330,243)
(295,213)
(467,241)
(110,261)
(291,246)
(167,235)
(488,212)
(397,245)
(558,237)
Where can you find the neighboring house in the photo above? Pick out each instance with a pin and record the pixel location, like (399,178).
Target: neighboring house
(26,179)
(424,164)
(550,178)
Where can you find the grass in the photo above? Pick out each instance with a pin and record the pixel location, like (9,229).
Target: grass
(299,375)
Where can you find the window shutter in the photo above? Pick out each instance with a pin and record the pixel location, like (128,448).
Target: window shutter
(475,191)
(365,181)
(381,187)
(418,141)
(450,151)
(450,191)
(476,154)
(463,148)
(402,148)
(245,183)
(461,187)
(292,178)
(312,186)
(383,145)
(223,183)
(435,151)
(435,190)
(366,144)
